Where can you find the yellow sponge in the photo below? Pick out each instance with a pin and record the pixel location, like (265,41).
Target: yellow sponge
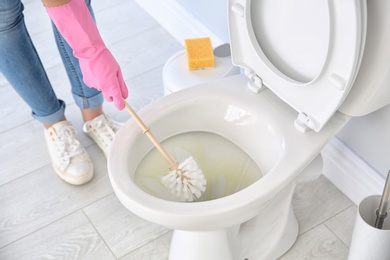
(199,53)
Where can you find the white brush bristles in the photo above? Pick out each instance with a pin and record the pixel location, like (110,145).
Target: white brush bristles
(187,182)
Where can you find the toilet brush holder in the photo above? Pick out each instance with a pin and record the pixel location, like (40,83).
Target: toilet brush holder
(371,234)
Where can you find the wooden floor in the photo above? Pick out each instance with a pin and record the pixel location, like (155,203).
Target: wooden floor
(41,217)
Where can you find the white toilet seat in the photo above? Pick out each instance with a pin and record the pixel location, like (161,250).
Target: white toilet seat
(315,101)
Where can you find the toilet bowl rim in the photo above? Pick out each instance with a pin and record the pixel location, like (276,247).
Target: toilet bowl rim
(247,198)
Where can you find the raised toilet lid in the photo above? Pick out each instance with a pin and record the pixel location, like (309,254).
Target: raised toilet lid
(307,52)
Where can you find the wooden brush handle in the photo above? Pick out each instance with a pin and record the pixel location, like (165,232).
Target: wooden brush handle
(146,130)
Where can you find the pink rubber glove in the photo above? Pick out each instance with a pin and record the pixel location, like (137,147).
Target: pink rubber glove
(100,69)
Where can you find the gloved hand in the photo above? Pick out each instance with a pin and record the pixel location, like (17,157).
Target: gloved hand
(99,67)
(101,71)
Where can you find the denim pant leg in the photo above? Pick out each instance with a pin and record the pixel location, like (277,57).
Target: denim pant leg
(22,67)
(84,96)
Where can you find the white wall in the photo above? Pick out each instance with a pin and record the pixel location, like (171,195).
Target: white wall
(212,14)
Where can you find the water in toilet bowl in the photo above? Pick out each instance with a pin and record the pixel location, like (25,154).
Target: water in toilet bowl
(226,166)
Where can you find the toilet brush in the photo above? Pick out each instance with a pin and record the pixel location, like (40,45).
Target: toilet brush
(381,212)
(186,180)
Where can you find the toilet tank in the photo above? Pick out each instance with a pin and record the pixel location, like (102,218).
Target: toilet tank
(371,89)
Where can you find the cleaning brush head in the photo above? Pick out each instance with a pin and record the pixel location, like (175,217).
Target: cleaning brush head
(187,181)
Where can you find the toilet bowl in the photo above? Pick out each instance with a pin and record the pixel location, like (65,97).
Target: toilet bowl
(275,119)
(266,136)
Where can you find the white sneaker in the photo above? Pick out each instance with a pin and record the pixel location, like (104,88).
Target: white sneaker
(102,130)
(70,160)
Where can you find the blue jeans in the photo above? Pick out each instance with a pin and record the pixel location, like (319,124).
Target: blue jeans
(22,67)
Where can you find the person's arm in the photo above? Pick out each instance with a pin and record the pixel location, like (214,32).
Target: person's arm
(100,69)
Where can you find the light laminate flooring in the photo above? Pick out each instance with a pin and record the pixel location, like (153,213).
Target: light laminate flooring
(41,217)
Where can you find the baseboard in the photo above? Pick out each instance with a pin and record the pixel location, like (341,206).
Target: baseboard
(180,23)
(349,173)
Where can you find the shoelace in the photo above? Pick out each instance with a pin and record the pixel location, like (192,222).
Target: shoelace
(106,130)
(67,144)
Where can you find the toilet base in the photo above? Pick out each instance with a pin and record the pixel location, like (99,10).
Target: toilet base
(208,245)
(264,243)
(236,243)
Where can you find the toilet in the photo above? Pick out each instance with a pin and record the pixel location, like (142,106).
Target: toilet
(310,66)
